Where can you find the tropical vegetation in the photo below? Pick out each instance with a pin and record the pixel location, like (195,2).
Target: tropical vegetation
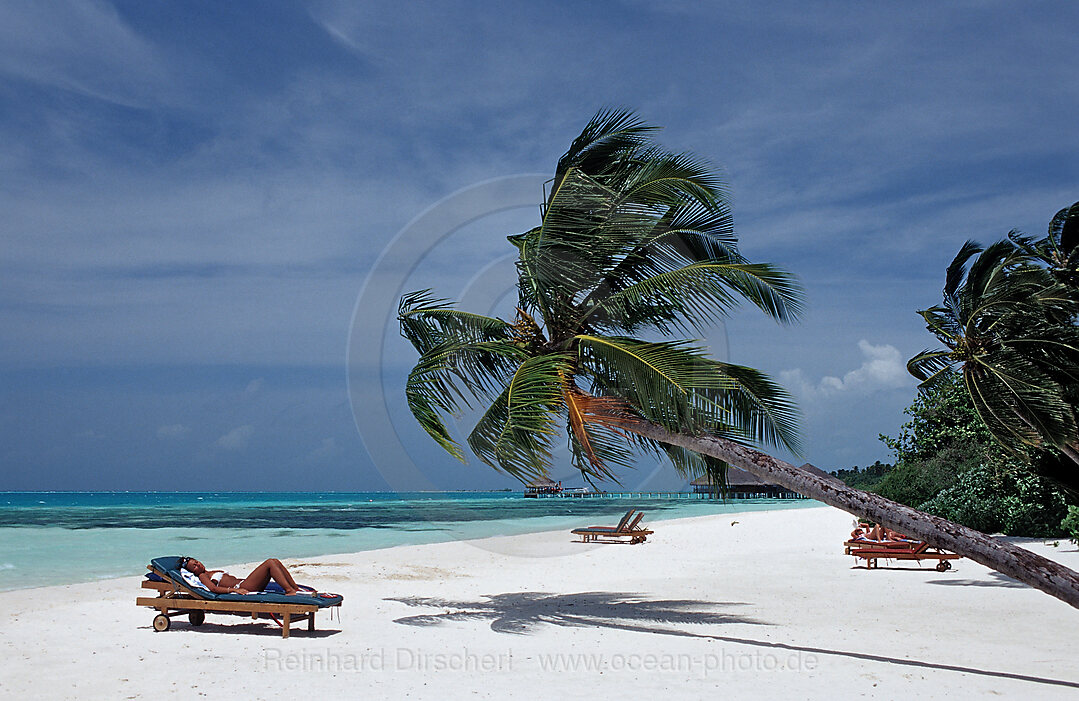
(948,464)
(635,240)
(1008,324)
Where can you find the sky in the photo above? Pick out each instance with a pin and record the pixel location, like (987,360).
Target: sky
(210,209)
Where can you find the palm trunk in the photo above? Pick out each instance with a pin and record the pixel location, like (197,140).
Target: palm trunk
(1035,570)
(1071,451)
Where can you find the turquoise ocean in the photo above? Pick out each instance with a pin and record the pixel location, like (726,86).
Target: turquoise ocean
(65,537)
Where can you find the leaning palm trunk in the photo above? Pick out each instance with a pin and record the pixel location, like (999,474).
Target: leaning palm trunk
(1039,572)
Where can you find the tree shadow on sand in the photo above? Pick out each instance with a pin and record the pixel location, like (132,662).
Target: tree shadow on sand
(998,580)
(519,613)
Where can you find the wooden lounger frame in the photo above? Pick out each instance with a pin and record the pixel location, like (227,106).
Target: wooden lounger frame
(174,599)
(878,545)
(615,534)
(913,551)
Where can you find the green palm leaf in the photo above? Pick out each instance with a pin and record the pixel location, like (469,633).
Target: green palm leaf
(698,294)
(517,430)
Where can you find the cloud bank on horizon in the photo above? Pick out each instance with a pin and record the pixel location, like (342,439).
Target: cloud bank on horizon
(194,194)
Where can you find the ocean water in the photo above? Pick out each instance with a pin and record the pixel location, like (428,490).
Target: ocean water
(65,537)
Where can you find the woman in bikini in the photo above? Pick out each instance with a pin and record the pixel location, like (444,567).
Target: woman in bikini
(221,582)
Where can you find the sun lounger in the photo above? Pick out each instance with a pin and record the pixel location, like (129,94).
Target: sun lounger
(627,528)
(870,543)
(177,596)
(901,550)
(621,524)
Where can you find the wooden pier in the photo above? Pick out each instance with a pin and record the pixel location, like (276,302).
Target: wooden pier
(664,495)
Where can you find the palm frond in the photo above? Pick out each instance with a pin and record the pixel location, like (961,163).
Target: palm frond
(931,366)
(957,270)
(1006,386)
(698,294)
(676,385)
(427,321)
(1064,228)
(758,409)
(449,375)
(516,432)
(607,137)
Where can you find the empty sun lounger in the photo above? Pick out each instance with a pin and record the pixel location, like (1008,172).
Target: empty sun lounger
(177,595)
(628,527)
(901,550)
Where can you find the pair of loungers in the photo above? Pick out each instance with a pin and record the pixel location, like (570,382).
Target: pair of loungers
(176,596)
(905,549)
(628,530)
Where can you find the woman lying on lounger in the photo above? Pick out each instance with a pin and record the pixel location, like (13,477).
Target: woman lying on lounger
(877,533)
(221,582)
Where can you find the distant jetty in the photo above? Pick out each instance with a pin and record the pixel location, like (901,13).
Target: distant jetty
(740,485)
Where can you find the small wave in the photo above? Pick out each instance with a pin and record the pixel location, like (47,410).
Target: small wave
(6,566)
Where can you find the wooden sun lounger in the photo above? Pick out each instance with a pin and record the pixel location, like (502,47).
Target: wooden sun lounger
(878,544)
(615,534)
(904,551)
(175,599)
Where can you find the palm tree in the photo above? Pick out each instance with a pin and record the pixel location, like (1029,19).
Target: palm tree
(633,239)
(1059,250)
(1007,324)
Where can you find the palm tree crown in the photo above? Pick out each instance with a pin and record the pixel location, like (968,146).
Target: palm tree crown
(631,238)
(1007,322)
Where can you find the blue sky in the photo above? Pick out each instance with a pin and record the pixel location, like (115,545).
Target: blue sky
(195,195)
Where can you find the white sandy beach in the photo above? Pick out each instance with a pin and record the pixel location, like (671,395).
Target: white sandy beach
(754,605)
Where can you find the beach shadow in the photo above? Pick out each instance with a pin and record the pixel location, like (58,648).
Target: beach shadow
(263,629)
(521,612)
(998,580)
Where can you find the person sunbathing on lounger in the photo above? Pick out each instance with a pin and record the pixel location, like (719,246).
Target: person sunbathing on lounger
(878,533)
(221,582)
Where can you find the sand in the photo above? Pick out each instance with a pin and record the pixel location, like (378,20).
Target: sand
(751,605)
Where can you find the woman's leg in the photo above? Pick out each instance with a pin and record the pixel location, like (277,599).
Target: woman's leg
(270,569)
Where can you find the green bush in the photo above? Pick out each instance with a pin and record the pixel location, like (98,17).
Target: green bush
(913,483)
(1070,524)
(1009,501)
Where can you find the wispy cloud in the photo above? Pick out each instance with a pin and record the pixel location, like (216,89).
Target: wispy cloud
(236,439)
(82,46)
(172,431)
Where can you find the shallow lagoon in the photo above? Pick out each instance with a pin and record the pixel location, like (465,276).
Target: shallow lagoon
(66,537)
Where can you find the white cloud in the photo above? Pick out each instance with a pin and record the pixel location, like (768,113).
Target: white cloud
(883,368)
(172,431)
(237,438)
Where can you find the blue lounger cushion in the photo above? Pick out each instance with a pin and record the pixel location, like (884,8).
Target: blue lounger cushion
(170,568)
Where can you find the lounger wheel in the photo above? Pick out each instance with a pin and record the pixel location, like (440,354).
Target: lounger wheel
(197,618)
(161,622)
(943,566)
